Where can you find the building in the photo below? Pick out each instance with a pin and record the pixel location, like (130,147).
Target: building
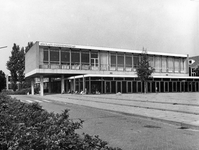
(90,69)
(193,65)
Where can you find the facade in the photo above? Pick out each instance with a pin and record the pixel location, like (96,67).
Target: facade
(74,68)
(193,65)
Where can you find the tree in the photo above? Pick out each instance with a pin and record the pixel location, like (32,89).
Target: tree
(2,80)
(30,44)
(21,67)
(12,65)
(16,65)
(144,70)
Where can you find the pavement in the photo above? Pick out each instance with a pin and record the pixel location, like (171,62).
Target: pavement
(181,109)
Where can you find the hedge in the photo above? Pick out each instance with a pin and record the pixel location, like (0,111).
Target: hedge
(29,127)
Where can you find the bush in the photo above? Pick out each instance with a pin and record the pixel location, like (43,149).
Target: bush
(30,127)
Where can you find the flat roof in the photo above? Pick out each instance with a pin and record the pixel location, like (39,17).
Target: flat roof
(52,44)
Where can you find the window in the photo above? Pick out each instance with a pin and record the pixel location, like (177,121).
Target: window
(170,64)
(135,61)
(120,61)
(54,56)
(65,57)
(45,55)
(177,64)
(75,59)
(113,60)
(157,64)
(85,60)
(164,64)
(128,61)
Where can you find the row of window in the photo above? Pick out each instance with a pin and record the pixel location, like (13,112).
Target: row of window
(116,61)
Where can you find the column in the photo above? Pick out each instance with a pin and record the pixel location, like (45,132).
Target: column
(32,87)
(49,85)
(89,89)
(62,84)
(74,88)
(41,86)
(84,84)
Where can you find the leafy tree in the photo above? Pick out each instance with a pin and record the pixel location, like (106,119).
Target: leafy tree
(29,126)
(13,65)
(30,44)
(16,65)
(21,67)
(144,70)
(2,80)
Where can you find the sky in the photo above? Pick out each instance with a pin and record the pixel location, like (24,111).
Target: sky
(170,26)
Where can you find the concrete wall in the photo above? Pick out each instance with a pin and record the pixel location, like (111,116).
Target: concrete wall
(32,58)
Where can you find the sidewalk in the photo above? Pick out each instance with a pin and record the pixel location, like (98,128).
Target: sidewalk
(181,109)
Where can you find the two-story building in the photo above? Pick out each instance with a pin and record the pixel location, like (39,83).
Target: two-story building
(104,70)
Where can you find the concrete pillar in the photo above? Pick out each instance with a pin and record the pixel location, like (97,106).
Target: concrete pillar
(62,84)
(74,88)
(41,86)
(32,87)
(49,85)
(83,84)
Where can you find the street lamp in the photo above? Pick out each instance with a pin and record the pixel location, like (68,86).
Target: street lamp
(3,47)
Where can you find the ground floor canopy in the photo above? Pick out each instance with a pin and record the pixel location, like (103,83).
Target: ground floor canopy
(93,84)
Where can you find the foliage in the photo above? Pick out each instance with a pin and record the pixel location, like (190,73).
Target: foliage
(144,70)
(30,44)
(2,80)
(196,70)
(12,65)
(29,126)
(16,65)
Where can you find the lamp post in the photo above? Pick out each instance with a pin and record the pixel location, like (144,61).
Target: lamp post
(3,47)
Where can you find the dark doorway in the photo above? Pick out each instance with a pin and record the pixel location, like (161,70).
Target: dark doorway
(119,86)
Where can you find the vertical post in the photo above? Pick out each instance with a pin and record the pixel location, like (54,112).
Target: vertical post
(62,84)
(32,87)
(41,86)
(84,84)
(74,85)
(187,64)
(49,85)
(89,85)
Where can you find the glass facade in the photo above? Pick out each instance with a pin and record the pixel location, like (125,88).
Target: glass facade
(99,60)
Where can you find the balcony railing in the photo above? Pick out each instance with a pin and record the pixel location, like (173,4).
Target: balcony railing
(101,67)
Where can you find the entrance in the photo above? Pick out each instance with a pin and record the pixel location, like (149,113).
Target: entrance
(107,87)
(119,86)
(129,87)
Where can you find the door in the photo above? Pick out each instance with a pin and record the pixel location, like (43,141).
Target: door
(107,86)
(94,64)
(119,86)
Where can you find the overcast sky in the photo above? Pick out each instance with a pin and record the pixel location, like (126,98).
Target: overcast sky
(170,26)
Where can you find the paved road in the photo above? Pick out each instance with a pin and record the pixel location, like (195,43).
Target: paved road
(122,130)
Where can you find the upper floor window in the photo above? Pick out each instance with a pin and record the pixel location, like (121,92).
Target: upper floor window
(170,64)
(113,60)
(45,55)
(120,60)
(164,64)
(65,56)
(54,56)
(129,61)
(135,61)
(75,57)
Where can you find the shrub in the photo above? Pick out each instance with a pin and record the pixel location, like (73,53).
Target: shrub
(30,127)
